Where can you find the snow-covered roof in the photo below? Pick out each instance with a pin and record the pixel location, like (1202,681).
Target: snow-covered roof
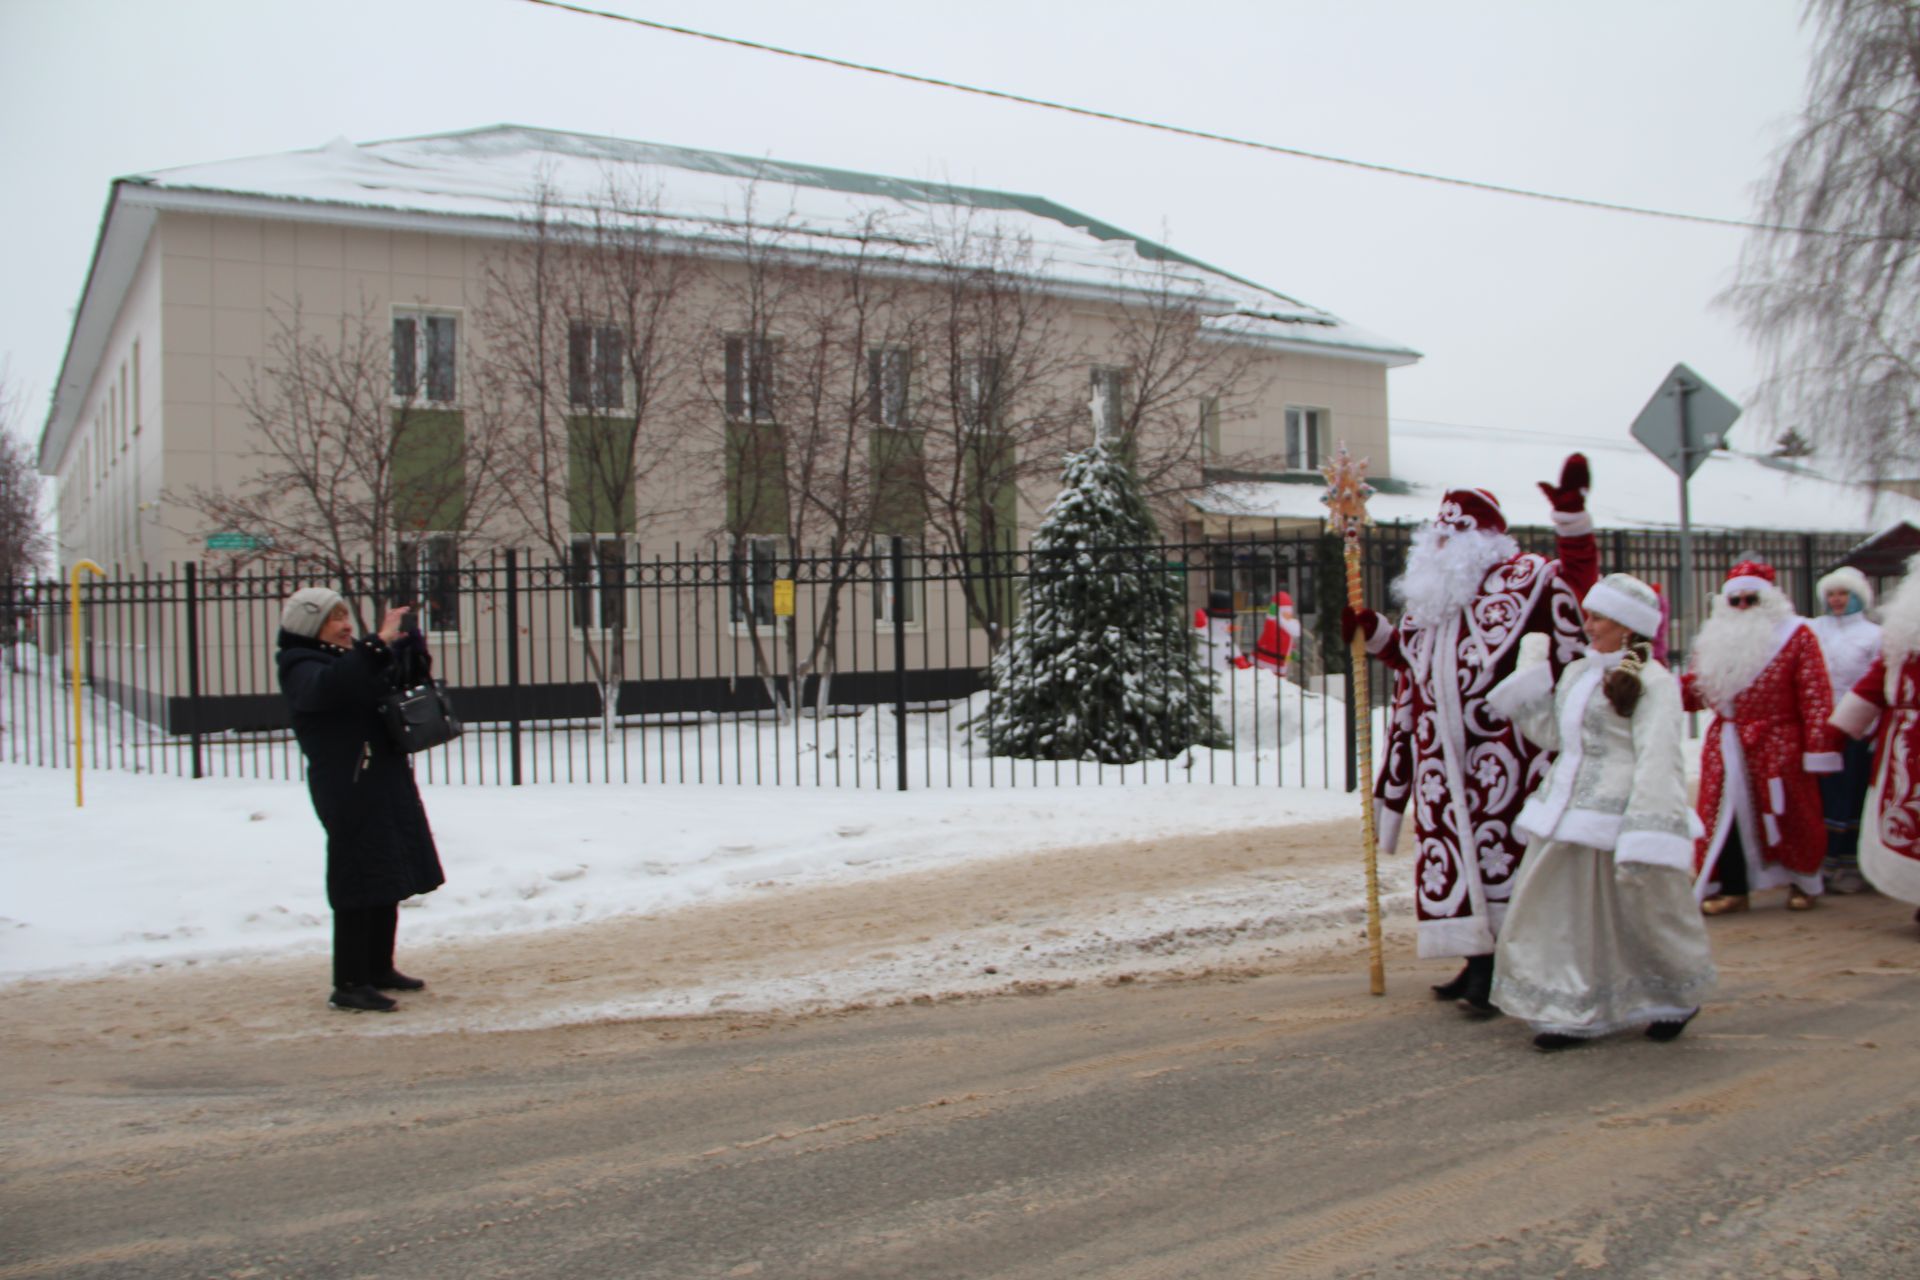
(481,182)
(1632,489)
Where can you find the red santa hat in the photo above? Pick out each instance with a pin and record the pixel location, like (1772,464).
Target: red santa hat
(1748,575)
(1467,510)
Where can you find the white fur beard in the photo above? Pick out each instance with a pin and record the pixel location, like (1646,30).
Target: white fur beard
(1735,645)
(1443,579)
(1900,620)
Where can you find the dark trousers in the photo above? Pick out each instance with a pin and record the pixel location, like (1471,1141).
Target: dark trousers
(363,944)
(1731,870)
(1842,796)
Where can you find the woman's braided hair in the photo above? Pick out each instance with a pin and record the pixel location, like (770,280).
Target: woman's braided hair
(1622,685)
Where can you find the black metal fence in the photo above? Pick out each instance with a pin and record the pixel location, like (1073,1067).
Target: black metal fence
(754,668)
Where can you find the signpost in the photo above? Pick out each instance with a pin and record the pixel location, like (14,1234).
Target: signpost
(1685,421)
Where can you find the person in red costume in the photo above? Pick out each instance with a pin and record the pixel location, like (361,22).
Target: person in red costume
(1277,635)
(1757,666)
(1889,696)
(1470,595)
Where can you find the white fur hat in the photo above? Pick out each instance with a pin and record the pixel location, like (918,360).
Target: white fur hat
(1628,601)
(308,609)
(1846,578)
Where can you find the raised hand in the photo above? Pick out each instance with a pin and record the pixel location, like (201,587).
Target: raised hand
(1576,477)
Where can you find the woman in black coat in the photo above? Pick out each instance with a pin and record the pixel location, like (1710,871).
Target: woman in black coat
(379,847)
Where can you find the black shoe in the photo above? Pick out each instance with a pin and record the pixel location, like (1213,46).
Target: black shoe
(394,980)
(1477,999)
(1553,1042)
(1456,987)
(361,999)
(1671,1028)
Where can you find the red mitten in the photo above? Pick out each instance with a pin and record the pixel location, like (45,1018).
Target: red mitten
(1575,479)
(1352,620)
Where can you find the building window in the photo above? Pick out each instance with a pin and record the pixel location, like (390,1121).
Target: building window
(429,580)
(1109,391)
(425,356)
(596,360)
(1306,435)
(755,565)
(887,369)
(750,379)
(597,577)
(912,570)
(981,386)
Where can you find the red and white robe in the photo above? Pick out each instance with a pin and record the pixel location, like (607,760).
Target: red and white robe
(1890,825)
(1758,765)
(1462,765)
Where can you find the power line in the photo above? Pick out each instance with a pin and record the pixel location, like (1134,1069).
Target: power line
(1274,148)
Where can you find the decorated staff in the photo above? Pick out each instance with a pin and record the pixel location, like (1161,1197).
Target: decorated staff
(1346,499)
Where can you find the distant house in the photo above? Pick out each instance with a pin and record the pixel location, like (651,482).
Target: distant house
(197,270)
(451,344)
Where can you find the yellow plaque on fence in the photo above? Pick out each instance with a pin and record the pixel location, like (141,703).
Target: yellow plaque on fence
(783,597)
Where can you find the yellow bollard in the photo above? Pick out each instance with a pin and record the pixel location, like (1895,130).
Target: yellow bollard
(73,666)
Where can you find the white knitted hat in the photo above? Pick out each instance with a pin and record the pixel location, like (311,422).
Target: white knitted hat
(1628,601)
(308,609)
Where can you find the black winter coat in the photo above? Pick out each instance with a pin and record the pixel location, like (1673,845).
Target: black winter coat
(379,847)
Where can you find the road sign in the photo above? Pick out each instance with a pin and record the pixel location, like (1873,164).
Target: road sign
(230,541)
(1685,421)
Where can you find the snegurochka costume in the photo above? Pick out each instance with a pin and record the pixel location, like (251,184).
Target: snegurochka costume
(1603,933)
(1849,641)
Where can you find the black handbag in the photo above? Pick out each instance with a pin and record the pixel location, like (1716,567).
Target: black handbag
(419,717)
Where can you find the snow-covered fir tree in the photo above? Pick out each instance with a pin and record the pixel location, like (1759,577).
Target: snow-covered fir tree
(1101,664)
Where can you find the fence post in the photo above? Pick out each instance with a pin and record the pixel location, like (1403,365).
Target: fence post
(513,665)
(193,666)
(898,548)
(1809,607)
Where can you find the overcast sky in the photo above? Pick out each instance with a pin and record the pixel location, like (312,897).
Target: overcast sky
(1530,316)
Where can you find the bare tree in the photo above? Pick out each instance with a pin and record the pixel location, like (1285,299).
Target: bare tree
(820,443)
(24,540)
(1179,367)
(356,445)
(1001,399)
(1836,307)
(588,340)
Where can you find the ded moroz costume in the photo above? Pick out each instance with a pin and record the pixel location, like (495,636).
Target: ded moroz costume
(1471,594)
(1889,696)
(1603,933)
(1757,666)
(1277,636)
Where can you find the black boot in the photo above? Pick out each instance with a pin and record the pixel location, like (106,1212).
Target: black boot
(1671,1028)
(1455,987)
(394,980)
(1477,999)
(1553,1041)
(361,999)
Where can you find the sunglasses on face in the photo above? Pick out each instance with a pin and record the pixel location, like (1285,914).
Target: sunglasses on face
(1745,601)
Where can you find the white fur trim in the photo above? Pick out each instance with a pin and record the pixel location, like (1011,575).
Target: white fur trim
(1745,583)
(1855,716)
(1520,688)
(1776,797)
(1381,633)
(1572,524)
(1849,579)
(1655,848)
(1611,602)
(1463,936)
(1891,873)
(1821,762)
(1386,826)
(1589,827)
(1772,825)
